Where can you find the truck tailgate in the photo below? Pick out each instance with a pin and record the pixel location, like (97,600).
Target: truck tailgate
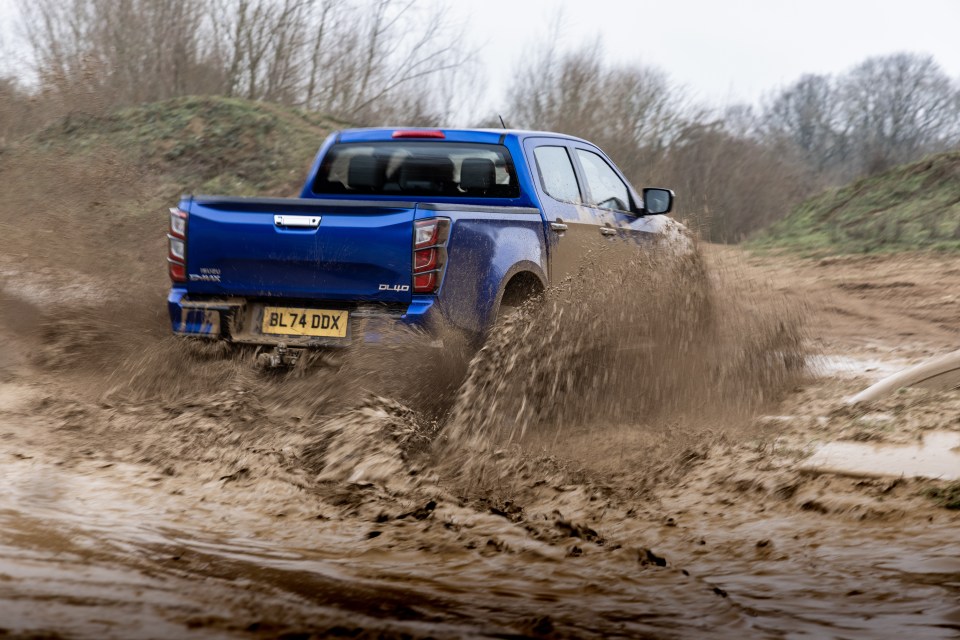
(300,248)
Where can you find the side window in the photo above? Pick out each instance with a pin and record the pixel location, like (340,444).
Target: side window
(607,190)
(559,179)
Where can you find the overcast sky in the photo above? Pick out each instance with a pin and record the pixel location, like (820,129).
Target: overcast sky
(723,51)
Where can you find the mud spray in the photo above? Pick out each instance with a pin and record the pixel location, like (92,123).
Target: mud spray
(621,372)
(622,367)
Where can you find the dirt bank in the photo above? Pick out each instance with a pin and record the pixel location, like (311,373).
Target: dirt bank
(156,489)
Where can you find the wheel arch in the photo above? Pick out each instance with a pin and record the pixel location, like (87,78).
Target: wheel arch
(521,282)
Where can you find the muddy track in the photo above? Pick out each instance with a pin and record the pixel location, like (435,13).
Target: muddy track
(158,490)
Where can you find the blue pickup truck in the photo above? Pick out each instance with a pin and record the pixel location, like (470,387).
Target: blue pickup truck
(418,227)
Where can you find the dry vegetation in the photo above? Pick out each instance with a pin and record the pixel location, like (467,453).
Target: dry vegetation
(366,62)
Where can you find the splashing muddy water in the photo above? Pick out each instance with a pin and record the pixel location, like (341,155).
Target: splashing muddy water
(595,470)
(636,345)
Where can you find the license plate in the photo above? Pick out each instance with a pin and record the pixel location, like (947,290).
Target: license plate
(304,322)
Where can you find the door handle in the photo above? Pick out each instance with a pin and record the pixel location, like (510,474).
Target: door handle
(607,231)
(300,222)
(559,227)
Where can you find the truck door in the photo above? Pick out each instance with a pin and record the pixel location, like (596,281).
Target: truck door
(611,199)
(571,227)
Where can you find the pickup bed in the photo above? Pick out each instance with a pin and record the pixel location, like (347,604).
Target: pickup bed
(419,227)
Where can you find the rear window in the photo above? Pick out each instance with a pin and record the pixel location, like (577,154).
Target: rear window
(418,168)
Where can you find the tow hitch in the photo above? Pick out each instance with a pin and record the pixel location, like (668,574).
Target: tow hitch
(281,356)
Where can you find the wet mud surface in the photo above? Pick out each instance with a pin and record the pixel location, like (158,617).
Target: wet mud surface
(624,460)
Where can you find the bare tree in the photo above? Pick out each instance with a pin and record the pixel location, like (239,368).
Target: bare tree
(259,42)
(731,183)
(631,111)
(122,51)
(390,64)
(898,108)
(807,118)
(362,60)
(885,111)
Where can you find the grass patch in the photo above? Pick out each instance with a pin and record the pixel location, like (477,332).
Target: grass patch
(202,143)
(911,207)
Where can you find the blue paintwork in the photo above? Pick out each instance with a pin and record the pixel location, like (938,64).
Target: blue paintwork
(345,258)
(483,248)
(357,248)
(191,321)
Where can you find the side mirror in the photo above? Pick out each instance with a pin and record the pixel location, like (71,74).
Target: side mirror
(656,201)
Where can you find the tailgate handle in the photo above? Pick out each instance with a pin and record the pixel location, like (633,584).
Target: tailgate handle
(303,222)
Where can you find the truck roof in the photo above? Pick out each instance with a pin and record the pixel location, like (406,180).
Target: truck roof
(486,136)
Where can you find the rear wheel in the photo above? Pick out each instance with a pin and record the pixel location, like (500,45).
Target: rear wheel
(520,290)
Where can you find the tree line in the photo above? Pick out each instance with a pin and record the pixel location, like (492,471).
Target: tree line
(742,167)
(371,62)
(362,60)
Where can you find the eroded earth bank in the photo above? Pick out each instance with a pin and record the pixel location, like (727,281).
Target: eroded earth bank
(622,460)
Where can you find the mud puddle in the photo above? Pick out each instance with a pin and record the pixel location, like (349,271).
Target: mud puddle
(72,561)
(936,456)
(103,556)
(829,366)
(855,581)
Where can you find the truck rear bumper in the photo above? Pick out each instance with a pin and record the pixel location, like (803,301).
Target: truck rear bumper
(239,320)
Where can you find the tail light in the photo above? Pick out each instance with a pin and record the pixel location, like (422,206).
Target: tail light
(429,253)
(419,133)
(177,246)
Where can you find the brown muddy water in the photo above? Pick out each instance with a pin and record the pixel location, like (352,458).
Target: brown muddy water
(936,455)
(621,460)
